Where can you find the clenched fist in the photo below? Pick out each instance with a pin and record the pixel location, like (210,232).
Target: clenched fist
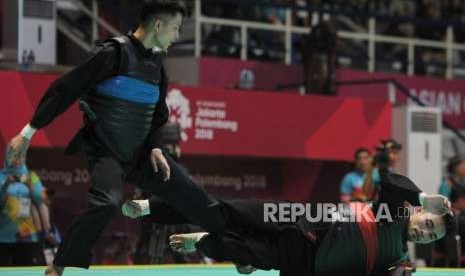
(16,151)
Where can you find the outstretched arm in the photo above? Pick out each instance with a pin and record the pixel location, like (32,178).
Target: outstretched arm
(396,189)
(61,94)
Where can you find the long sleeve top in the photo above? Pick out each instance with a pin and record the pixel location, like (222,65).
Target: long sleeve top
(102,63)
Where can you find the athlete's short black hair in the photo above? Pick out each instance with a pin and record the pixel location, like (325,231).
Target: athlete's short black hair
(156,8)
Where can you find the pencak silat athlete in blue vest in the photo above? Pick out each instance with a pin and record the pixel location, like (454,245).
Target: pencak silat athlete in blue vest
(121,89)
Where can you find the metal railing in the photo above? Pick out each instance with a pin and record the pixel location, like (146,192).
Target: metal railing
(371,37)
(75,35)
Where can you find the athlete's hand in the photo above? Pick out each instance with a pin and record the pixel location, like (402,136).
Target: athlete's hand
(159,162)
(436,204)
(16,151)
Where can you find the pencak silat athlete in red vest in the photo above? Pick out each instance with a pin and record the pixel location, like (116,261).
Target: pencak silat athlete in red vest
(365,246)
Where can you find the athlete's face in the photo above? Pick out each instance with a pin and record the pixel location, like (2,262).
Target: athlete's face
(425,227)
(167,31)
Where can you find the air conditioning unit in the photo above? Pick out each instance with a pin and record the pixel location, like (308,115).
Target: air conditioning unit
(419,130)
(29,31)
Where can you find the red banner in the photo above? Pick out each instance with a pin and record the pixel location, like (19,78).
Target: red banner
(449,95)
(226,122)
(233,123)
(224,177)
(227,177)
(21,93)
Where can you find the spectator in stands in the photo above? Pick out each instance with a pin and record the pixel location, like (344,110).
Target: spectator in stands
(220,40)
(264,44)
(394,51)
(355,6)
(453,9)
(379,7)
(352,183)
(19,235)
(456,176)
(268,45)
(302,16)
(429,60)
(275,15)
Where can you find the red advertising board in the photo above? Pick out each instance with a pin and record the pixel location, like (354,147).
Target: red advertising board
(224,177)
(449,95)
(263,124)
(225,122)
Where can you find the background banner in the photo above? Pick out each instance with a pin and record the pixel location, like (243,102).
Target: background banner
(223,122)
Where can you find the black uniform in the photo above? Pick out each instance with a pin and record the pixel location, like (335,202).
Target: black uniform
(122,87)
(305,248)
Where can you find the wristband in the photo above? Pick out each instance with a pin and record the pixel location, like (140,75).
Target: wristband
(421,197)
(28,131)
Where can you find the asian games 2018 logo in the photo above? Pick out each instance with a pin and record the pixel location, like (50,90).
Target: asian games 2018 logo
(180,111)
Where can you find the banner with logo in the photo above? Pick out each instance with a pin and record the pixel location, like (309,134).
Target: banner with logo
(226,177)
(296,180)
(233,123)
(225,122)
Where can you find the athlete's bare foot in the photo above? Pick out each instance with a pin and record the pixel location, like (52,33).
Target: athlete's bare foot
(185,243)
(54,270)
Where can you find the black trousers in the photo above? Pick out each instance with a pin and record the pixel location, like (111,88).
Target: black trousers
(248,239)
(104,200)
(21,254)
